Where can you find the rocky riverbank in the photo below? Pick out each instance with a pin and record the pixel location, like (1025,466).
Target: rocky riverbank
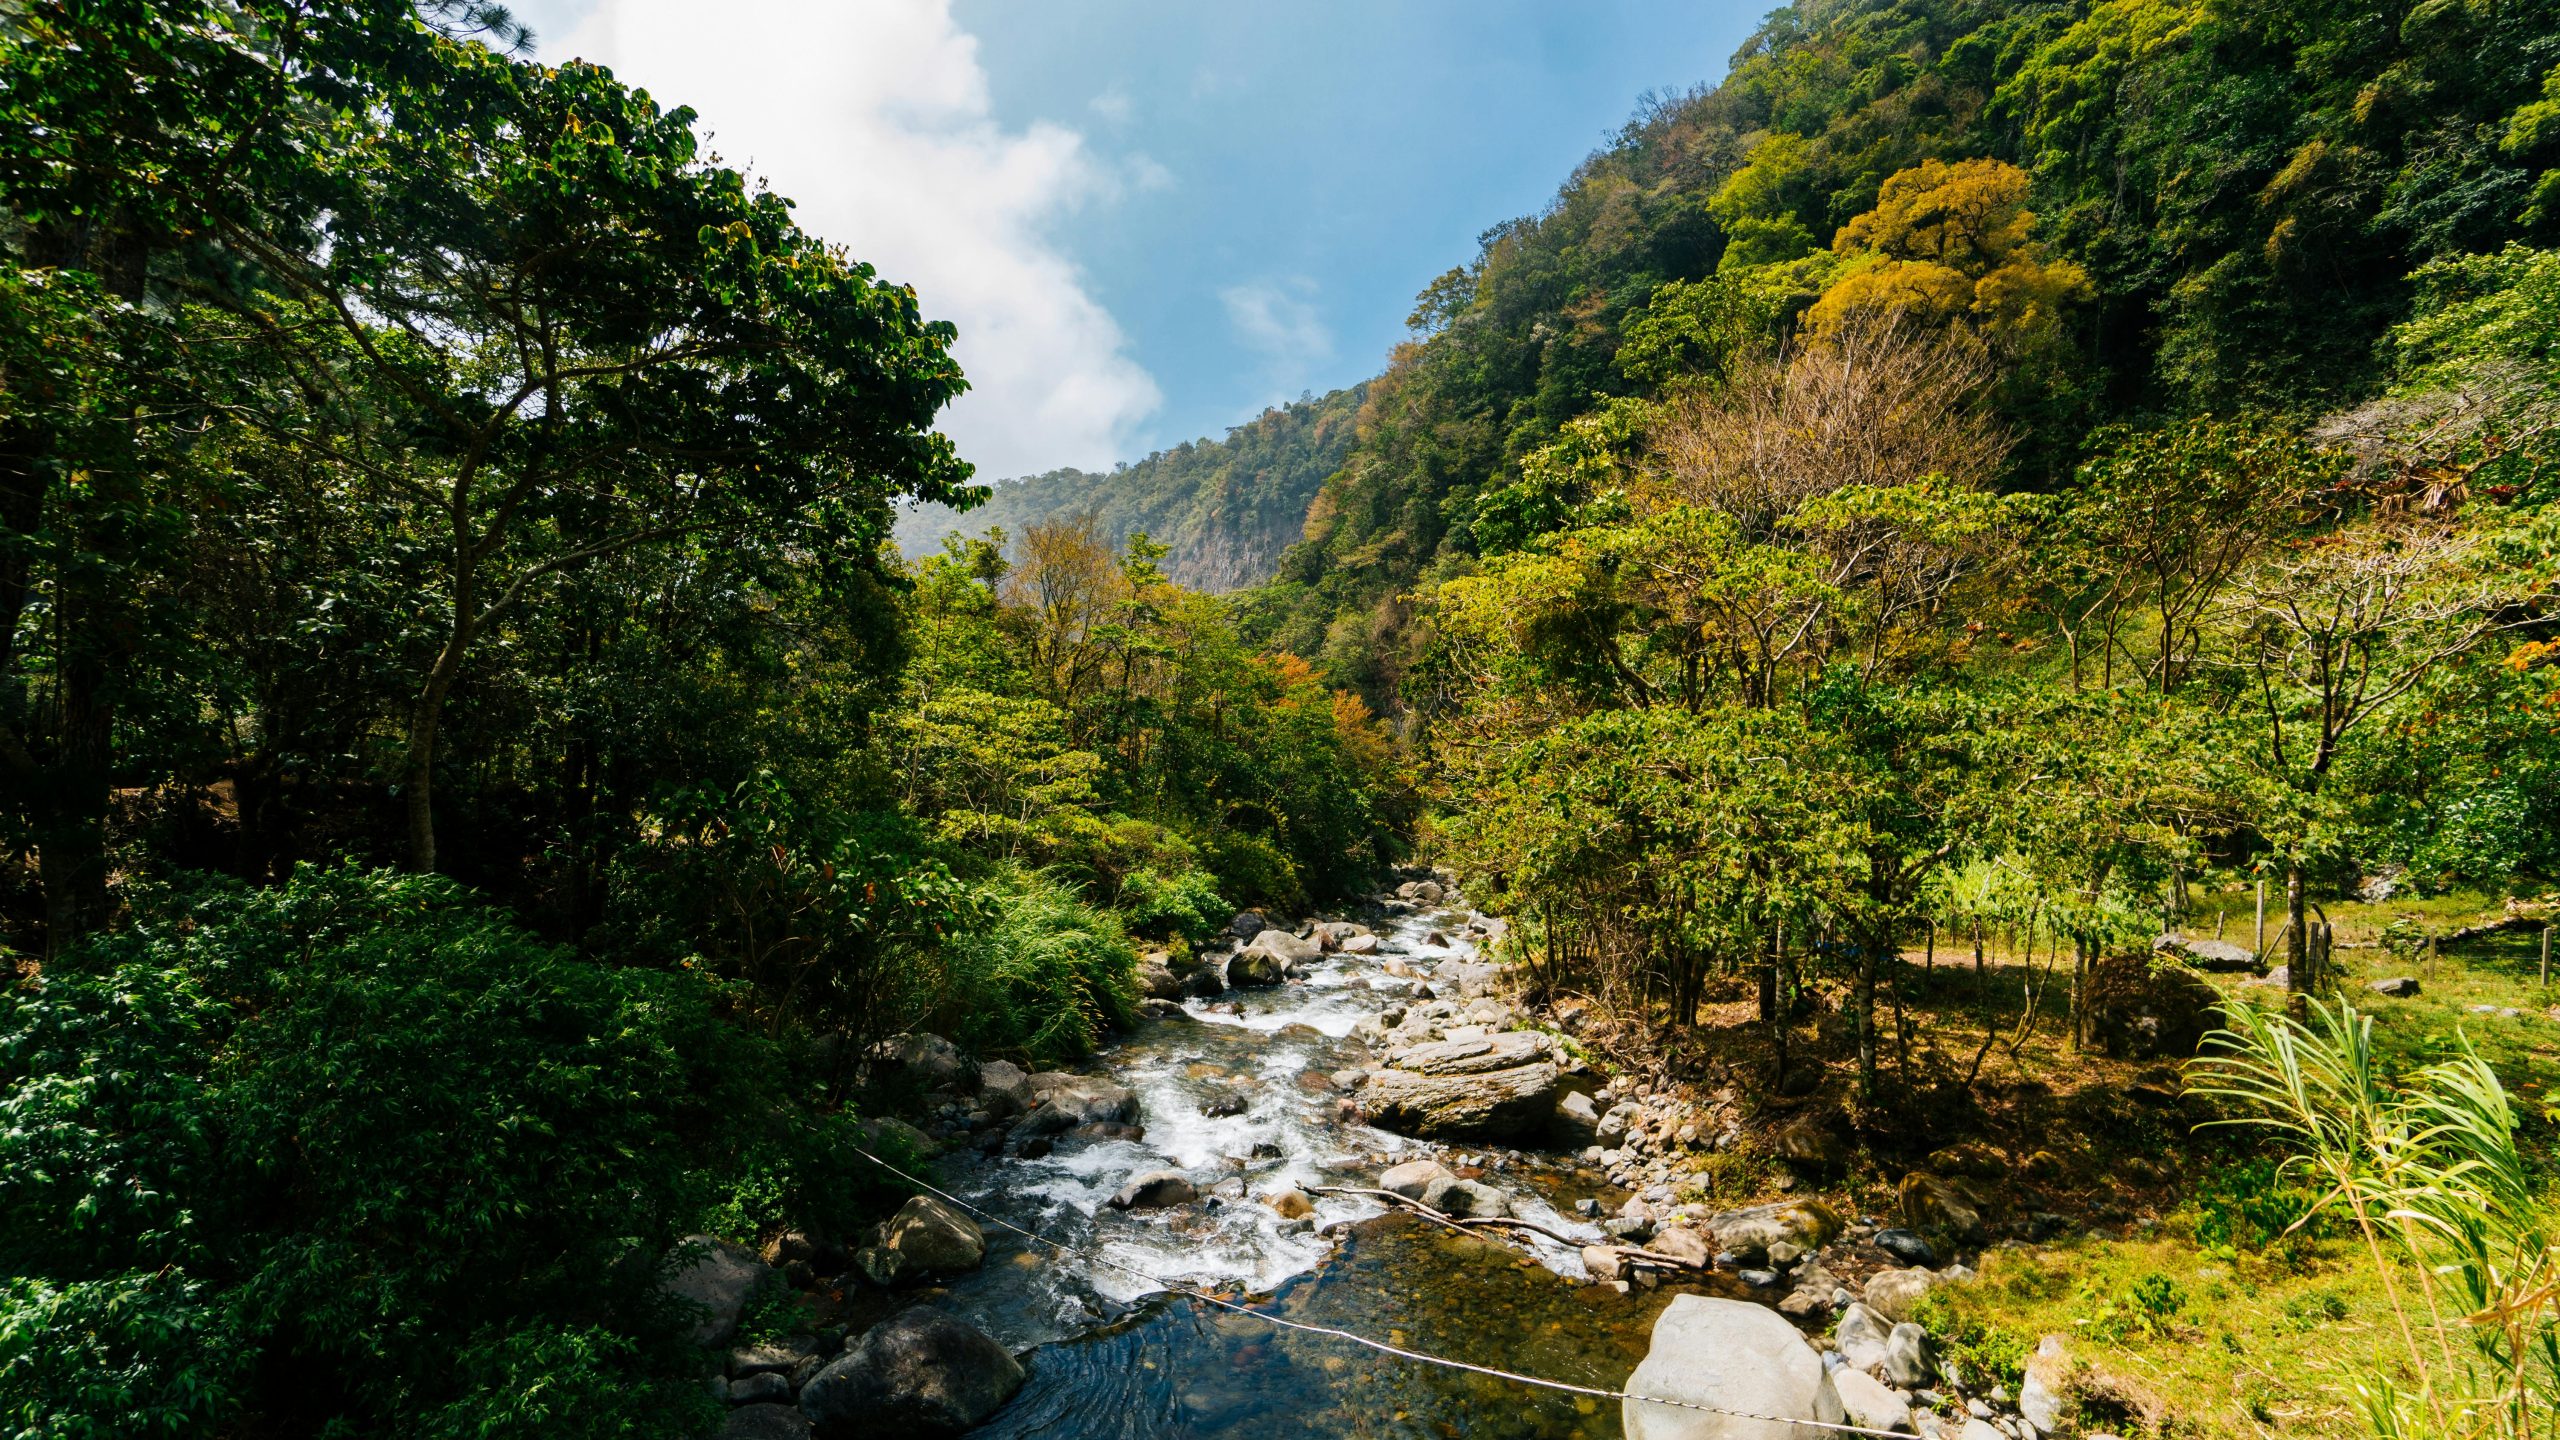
(1303,1094)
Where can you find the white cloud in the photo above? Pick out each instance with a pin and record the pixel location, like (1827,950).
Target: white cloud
(1114,105)
(876,118)
(1277,320)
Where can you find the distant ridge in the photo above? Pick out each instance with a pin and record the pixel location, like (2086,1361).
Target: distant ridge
(1226,507)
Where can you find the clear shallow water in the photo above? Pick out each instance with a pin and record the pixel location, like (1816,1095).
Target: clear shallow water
(1118,1357)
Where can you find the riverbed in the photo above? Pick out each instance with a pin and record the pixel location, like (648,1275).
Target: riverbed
(1112,1354)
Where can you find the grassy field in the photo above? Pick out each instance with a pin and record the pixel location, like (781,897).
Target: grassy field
(2205,1316)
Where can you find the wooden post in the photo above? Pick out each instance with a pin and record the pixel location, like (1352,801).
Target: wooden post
(2218,917)
(2261,946)
(2546,957)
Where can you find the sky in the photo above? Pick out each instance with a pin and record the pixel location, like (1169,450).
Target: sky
(1152,218)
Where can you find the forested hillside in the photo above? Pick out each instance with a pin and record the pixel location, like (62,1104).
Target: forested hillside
(2144,208)
(1224,509)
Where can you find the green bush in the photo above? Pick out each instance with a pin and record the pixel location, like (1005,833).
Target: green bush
(1254,873)
(1040,975)
(1162,906)
(357,1156)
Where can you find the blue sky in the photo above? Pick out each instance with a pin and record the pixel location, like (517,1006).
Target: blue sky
(1152,218)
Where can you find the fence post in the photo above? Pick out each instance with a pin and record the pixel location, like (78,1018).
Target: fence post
(2546,957)
(2261,946)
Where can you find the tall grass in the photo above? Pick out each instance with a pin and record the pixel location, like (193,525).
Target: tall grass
(2429,1171)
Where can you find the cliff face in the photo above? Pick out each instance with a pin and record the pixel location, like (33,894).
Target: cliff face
(1226,507)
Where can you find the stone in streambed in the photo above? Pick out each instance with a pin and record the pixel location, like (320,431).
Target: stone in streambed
(1155,1190)
(921,1372)
(1895,1294)
(1732,1355)
(932,1238)
(1004,1090)
(1861,1338)
(1868,1403)
(1290,1204)
(1427,1181)
(765,1422)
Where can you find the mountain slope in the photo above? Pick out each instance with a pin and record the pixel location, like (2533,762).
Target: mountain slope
(1226,507)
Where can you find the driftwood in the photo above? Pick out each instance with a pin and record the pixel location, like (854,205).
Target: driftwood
(1467,1224)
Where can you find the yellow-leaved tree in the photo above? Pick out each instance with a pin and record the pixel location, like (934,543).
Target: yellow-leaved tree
(1947,244)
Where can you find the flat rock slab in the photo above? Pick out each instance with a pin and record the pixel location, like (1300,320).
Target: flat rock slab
(1514,1104)
(1472,1055)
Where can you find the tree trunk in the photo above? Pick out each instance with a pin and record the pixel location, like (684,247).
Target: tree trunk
(2297,955)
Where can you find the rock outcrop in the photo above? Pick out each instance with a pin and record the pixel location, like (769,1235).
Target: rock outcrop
(714,1279)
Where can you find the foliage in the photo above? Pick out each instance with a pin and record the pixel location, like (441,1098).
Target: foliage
(2429,1171)
(364,1124)
(1163,906)
(1041,975)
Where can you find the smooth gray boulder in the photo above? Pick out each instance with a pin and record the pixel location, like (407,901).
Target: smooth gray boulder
(1895,1294)
(2042,1398)
(1473,1056)
(1869,1403)
(2398,987)
(932,1238)
(1907,1361)
(1682,1244)
(1360,945)
(714,1279)
(1475,1200)
(1427,1181)
(920,1372)
(1861,1338)
(1068,1101)
(1735,1356)
(934,1062)
(1288,949)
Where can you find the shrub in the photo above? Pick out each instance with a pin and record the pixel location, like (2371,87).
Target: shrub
(1186,904)
(355,1155)
(1253,872)
(1041,974)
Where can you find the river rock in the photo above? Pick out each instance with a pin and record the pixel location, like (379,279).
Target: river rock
(1004,1090)
(1806,1224)
(929,1060)
(1517,1104)
(1895,1294)
(776,1355)
(1158,982)
(1577,1120)
(1907,1358)
(1072,1100)
(1933,1203)
(1861,1338)
(1867,1402)
(1284,947)
(765,1422)
(921,1372)
(1290,1204)
(1218,1104)
(714,1279)
(1733,1355)
(1247,924)
(1256,968)
(1472,1056)
(1905,1246)
(1474,1200)
(1684,1245)
(894,1138)
(1155,1190)
(1604,1262)
(1360,945)
(2218,955)
(1427,1181)
(932,1238)
(2398,987)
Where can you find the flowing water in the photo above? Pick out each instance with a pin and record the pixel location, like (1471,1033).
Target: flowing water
(1119,1357)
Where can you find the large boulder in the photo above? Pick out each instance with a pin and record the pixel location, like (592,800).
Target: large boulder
(2150,1007)
(1737,1357)
(1068,1101)
(2045,1398)
(1895,1294)
(1427,1181)
(1517,1104)
(1288,949)
(921,1372)
(1861,1338)
(713,1279)
(2218,955)
(1868,1403)
(1256,967)
(1475,1200)
(1157,981)
(1247,924)
(1360,945)
(1471,1057)
(928,1060)
(1004,1091)
(931,1238)
(765,1422)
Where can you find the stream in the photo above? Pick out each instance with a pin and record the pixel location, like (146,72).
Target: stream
(1117,1356)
